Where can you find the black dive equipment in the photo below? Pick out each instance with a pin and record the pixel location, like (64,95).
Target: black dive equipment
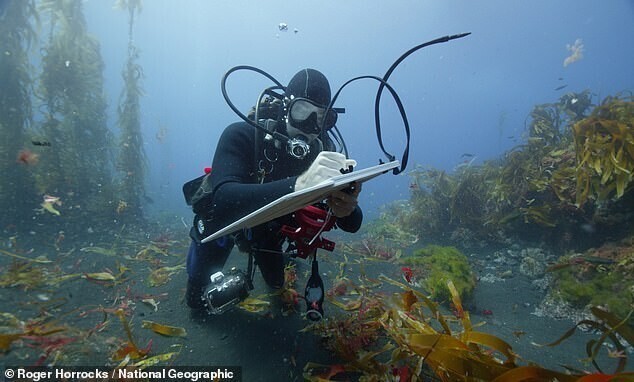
(277,129)
(225,291)
(310,117)
(272,110)
(314,294)
(377,119)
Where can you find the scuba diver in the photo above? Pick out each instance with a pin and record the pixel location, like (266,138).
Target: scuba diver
(252,168)
(289,142)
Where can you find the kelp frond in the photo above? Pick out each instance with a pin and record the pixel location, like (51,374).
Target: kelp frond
(418,334)
(604,144)
(17,33)
(131,162)
(74,110)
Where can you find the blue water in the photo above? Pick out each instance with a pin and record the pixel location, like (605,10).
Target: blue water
(467,96)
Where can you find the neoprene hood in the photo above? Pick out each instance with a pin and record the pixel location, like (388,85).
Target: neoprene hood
(311,84)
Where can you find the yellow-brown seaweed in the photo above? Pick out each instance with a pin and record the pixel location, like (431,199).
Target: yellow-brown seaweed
(166,330)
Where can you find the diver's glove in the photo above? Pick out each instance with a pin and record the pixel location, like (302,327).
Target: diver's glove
(325,166)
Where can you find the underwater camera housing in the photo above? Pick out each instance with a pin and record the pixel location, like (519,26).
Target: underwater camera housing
(225,291)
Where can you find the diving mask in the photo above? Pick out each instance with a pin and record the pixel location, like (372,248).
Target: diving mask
(308,116)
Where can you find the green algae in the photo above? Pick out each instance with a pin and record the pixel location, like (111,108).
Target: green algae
(440,264)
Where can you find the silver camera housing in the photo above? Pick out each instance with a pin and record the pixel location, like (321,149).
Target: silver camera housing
(225,291)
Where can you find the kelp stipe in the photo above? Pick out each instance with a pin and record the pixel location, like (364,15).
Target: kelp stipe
(78,163)
(17,33)
(131,161)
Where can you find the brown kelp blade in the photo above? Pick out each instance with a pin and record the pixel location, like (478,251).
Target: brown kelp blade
(452,357)
(619,325)
(129,349)
(491,342)
(614,325)
(166,330)
(533,373)
(7,339)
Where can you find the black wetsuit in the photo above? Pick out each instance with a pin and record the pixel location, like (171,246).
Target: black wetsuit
(237,192)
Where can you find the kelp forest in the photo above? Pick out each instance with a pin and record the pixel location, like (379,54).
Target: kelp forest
(55,125)
(87,278)
(568,188)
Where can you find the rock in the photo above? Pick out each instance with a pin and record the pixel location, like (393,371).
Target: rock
(532,268)
(490,278)
(541,284)
(506,274)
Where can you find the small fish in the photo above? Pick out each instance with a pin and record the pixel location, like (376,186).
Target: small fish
(161,134)
(560,87)
(555,267)
(597,259)
(599,262)
(41,143)
(467,155)
(27,157)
